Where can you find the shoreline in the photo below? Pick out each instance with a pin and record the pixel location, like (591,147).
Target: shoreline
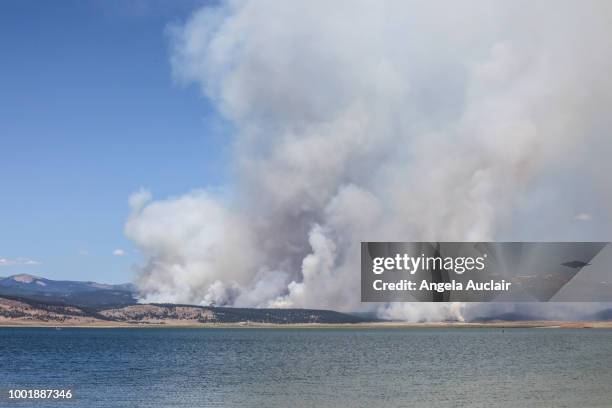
(362,326)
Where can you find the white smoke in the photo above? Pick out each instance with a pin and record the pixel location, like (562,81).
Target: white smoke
(361,120)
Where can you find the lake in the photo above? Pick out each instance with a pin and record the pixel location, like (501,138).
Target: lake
(310,367)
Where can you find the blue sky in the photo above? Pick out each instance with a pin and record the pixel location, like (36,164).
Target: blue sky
(89,113)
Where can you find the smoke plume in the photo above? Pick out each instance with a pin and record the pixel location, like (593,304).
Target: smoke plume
(390,121)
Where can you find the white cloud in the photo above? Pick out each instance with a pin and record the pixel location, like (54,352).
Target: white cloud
(139,198)
(403,121)
(583,217)
(18,262)
(118,252)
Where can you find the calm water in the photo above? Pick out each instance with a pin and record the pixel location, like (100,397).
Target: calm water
(311,368)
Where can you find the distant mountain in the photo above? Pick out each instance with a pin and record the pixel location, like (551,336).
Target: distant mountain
(85,294)
(154,313)
(21,311)
(27,298)
(604,315)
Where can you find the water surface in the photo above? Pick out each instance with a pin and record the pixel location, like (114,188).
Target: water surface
(310,367)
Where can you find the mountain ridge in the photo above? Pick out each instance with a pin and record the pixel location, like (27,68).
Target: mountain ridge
(78,293)
(27,311)
(29,298)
